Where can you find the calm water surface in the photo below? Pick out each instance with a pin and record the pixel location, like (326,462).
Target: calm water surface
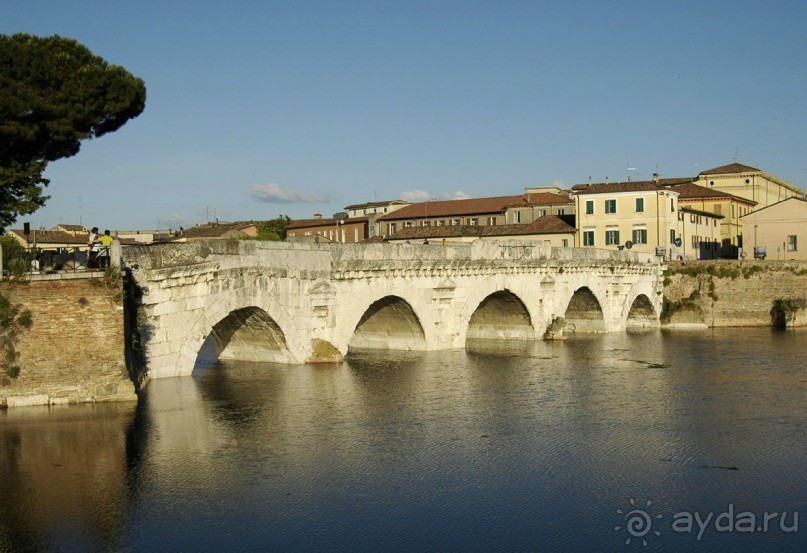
(526,447)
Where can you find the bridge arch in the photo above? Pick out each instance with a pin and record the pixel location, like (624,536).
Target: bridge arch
(232,323)
(250,334)
(500,315)
(390,322)
(639,310)
(584,311)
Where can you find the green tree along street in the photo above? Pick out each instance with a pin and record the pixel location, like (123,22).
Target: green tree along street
(274,229)
(55,93)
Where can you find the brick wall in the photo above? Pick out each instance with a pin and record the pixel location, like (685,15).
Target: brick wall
(734,293)
(74,352)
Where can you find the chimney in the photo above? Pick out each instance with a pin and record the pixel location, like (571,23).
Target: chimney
(628,178)
(317,215)
(606,180)
(589,180)
(655,178)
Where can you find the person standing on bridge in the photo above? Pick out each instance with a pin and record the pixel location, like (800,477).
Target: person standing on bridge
(93,248)
(103,254)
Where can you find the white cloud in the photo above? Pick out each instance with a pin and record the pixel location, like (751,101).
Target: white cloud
(557,183)
(458,195)
(415,196)
(273,193)
(173,221)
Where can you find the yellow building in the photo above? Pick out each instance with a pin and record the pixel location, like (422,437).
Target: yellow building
(699,232)
(643,214)
(729,207)
(750,183)
(778,231)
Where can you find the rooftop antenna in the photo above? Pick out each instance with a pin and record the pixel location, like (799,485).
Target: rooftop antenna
(629,169)
(79,212)
(736,154)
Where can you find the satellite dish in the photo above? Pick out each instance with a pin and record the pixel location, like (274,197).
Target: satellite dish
(628,245)
(677,242)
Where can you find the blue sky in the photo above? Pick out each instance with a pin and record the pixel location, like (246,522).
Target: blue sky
(262,108)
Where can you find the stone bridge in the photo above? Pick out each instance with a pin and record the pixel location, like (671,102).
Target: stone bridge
(310,303)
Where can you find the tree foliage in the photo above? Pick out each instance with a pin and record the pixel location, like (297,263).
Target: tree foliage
(54,93)
(274,229)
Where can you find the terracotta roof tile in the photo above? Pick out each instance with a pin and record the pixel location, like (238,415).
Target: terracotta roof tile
(731,168)
(694,191)
(542,198)
(615,187)
(451,208)
(661,182)
(550,224)
(375,204)
(308,223)
(53,237)
(214,230)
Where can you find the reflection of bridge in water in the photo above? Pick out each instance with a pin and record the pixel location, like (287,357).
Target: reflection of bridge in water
(295,303)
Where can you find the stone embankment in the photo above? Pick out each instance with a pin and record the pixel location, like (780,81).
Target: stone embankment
(734,293)
(74,350)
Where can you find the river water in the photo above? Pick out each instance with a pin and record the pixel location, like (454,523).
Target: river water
(598,443)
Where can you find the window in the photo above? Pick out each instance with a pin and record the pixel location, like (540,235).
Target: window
(672,235)
(491,220)
(541,213)
(425,223)
(672,205)
(639,205)
(719,209)
(610,206)
(588,237)
(473,221)
(391,229)
(561,211)
(611,237)
(565,243)
(455,222)
(791,243)
(589,207)
(408,224)
(518,216)
(691,217)
(439,223)
(639,236)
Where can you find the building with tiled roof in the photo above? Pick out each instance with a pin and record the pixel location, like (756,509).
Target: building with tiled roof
(699,232)
(215,231)
(778,231)
(375,208)
(750,183)
(642,215)
(727,206)
(490,211)
(345,230)
(551,228)
(71,229)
